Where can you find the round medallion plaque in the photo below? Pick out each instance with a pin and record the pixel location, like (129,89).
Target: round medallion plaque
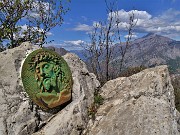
(47,78)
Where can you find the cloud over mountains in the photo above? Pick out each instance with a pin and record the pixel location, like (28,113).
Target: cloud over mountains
(70,45)
(166,24)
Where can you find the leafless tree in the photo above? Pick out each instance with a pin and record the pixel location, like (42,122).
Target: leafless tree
(95,50)
(129,27)
(104,38)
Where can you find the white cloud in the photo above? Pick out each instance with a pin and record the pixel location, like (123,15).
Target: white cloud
(164,24)
(134,36)
(167,23)
(97,24)
(34,14)
(70,45)
(25,27)
(49,33)
(35,8)
(84,18)
(124,15)
(76,42)
(82,27)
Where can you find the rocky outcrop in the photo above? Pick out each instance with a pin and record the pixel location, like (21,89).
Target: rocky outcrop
(142,104)
(73,119)
(19,116)
(16,114)
(60,51)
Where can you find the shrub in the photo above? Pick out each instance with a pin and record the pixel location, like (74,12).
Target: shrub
(92,109)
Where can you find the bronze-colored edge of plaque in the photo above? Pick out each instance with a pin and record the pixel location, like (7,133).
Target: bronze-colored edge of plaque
(30,84)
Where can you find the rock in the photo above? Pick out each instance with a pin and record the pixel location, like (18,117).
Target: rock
(72,120)
(142,104)
(19,116)
(15,113)
(60,51)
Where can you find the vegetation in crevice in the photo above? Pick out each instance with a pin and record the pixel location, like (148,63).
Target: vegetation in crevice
(92,109)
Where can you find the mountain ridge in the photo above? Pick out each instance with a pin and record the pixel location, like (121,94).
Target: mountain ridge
(150,51)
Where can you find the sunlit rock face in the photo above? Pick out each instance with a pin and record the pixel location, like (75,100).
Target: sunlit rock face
(20,116)
(142,104)
(16,114)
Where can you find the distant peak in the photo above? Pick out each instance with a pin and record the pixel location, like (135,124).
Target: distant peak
(149,34)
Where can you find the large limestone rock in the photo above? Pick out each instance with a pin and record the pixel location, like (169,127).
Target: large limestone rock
(19,116)
(16,113)
(142,104)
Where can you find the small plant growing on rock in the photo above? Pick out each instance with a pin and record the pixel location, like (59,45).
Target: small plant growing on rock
(92,109)
(98,99)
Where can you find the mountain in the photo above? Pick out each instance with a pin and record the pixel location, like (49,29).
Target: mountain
(83,54)
(60,51)
(152,50)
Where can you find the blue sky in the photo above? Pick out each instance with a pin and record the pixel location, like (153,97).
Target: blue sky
(157,16)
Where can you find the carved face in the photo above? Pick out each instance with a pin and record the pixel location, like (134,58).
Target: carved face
(47,78)
(46,75)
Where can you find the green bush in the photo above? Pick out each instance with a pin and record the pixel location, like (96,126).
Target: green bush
(98,99)
(92,109)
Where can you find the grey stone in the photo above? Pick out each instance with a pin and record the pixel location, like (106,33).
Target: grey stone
(142,104)
(15,113)
(19,116)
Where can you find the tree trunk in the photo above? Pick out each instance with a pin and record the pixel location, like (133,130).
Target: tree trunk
(12,38)
(107,58)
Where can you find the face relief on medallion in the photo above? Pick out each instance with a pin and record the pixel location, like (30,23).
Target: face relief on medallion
(47,78)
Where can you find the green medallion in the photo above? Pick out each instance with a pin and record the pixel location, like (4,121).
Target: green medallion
(47,78)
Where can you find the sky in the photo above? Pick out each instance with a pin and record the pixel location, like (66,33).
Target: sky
(154,16)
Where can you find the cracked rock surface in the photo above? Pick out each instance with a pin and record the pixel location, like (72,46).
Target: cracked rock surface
(16,117)
(142,104)
(19,116)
